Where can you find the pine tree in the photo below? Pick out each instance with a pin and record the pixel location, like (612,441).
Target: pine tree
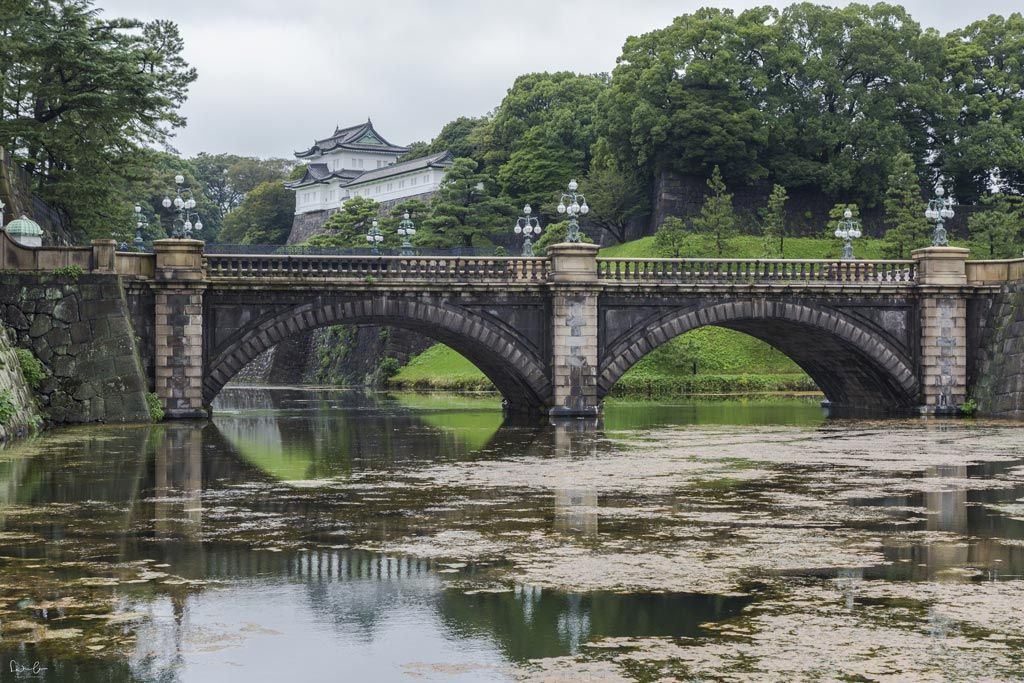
(348,227)
(670,238)
(906,227)
(717,217)
(773,227)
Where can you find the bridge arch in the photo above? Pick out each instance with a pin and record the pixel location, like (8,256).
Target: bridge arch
(514,368)
(853,365)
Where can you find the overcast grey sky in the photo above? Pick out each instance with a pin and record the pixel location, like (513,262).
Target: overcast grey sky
(273,75)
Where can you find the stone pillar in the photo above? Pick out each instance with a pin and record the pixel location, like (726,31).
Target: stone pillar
(178,361)
(103,255)
(941,277)
(574,291)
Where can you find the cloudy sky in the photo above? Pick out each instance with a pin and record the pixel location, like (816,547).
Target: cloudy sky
(273,75)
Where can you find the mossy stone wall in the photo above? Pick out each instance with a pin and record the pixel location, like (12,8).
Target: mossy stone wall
(80,329)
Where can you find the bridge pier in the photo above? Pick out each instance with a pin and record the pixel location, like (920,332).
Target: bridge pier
(941,279)
(574,302)
(178,367)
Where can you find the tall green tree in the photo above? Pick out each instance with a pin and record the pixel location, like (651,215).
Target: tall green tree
(464,211)
(996,231)
(906,227)
(981,134)
(348,226)
(616,196)
(80,95)
(686,97)
(717,218)
(541,135)
(264,217)
(848,91)
(773,223)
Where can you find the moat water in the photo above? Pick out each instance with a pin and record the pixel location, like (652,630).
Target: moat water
(325,535)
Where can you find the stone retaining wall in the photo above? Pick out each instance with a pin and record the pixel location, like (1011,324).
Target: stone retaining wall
(14,394)
(998,351)
(79,328)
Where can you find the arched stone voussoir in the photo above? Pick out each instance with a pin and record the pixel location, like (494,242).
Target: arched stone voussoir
(516,371)
(849,361)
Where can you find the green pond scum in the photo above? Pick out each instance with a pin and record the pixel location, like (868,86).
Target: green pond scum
(301,533)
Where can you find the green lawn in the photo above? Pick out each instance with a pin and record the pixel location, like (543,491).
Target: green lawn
(440,367)
(752,247)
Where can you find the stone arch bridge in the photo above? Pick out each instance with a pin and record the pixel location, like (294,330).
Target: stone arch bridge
(555,333)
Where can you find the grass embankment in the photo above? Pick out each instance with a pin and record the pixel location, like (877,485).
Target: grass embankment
(710,360)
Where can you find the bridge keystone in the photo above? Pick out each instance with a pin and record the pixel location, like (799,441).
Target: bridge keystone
(574,357)
(941,272)
(178,287)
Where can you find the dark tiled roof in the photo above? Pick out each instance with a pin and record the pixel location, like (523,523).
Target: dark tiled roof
(349,138)
(319,173)
(439,160)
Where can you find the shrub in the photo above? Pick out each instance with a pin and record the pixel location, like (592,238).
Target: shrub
(8,408)
(72,272)
(156,409)
(32,369)
(969,408)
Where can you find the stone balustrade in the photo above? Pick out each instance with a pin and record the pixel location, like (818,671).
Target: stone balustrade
(426,268)
(651,270)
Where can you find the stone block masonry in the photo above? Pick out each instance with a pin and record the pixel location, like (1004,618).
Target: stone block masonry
(999,354)
(179,351)
(80,329)
(574,350)
(178,327)
(941,271)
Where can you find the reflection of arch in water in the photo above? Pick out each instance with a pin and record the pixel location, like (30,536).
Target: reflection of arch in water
(530,622)
(328,443)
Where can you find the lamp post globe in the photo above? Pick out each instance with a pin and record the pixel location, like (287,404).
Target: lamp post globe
(374,236)
(573,204)
(527,225)
(940,210)
(848,230)
(184,220)
(406,229)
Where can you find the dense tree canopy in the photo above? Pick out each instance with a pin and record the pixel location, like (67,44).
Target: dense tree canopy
(822,97)
(265,217)
(80,96)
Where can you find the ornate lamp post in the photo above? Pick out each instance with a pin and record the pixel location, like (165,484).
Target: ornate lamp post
(140,222)
(577,206)
(939,211)
(374,236)
(184,201)
(406,229)
(848,230)
(526,225)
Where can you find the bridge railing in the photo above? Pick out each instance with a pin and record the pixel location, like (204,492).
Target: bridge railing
(431,269)
(755,270)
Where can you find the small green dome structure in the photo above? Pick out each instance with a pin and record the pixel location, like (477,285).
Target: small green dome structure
(25,231)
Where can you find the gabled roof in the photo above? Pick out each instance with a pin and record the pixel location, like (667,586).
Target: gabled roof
(439,160)
(361,138)
(319,173)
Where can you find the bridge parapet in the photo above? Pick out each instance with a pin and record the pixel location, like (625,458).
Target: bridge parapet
(1004,271)
(652,270)
(403,268)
